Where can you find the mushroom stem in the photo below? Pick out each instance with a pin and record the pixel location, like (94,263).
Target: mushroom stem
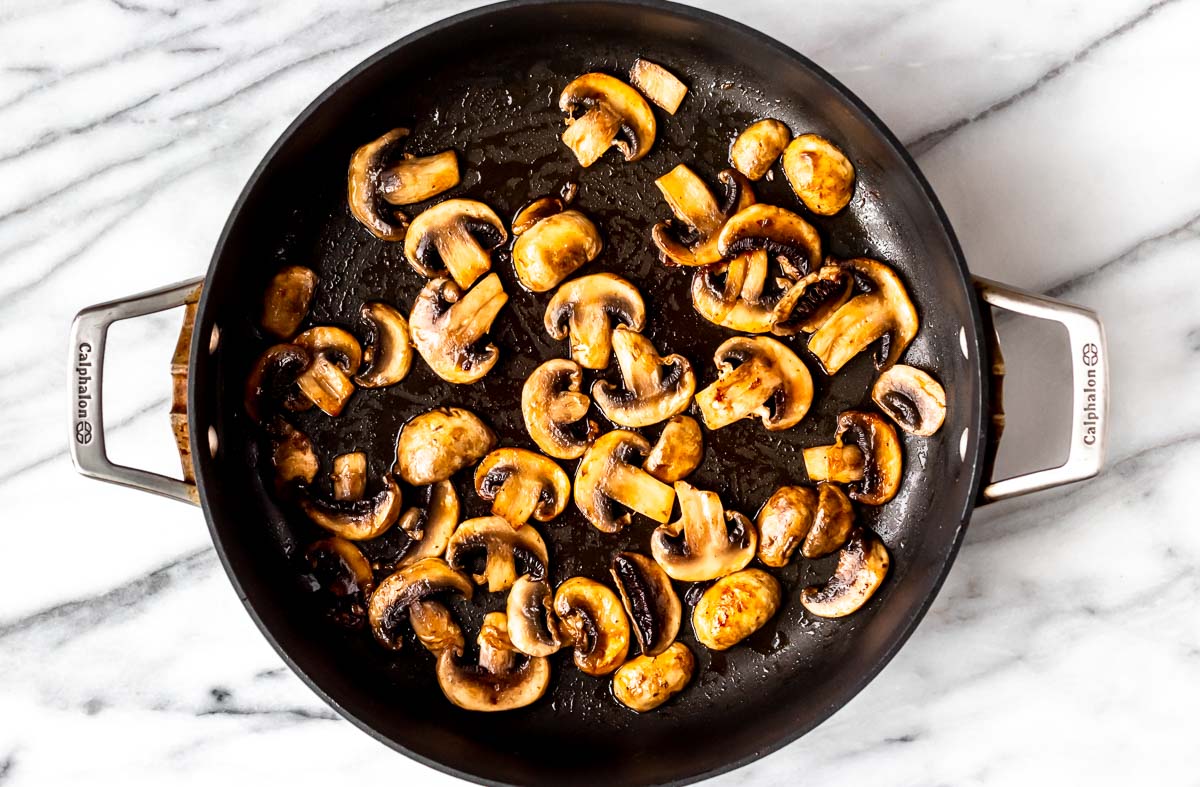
(841,464)
(740,392)
(418,178)
(636,489)
(592,134)
(517,498)
(325,385)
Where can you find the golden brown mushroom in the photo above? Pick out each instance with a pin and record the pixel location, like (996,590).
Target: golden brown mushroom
(658,84)
(454,238)
(759,376)
(344,575)
(677,452)
(706,541)
(521,483)
(450,327)
(532,626)
(552,244)
(586,308)
(734,607)
(655,387)
(429,528)
(292,454)
(602,111)
(645,682)
(739,294)
(391,602)
(286,301)
(504,679)
(877,452)
(885,312)
(272,382)
(349,476)
(356,520)
(758,147)
(818,521)
(861,568)
(691,237)
(911,398)
(808,303)
(653,607)
(593,622)
(606,475)
(388,350)
(378,177)
(334,356)
(819,173)
(780,232)
(555,410)
(501,548)
(437,444)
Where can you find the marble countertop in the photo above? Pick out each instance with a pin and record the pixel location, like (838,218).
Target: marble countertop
(1061,138)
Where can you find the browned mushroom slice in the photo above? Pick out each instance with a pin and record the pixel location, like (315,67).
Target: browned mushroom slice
(832,524)
(454,238)
(285,304)
(435,627)
(586,308)
(272,381)
(655,387)
(521,484)
(839,464)
(808,303)
(678,451)
(691,238)
(450,328)
(817,521)
(341,572)
(388,350)
(780,232)
(606,475)
(336,356)
(429,528)
(653,607)
(292,454)
(493,546)
(706,541)
(551,245)
(768,381)
(532,626)
(758,147)
(819,173)
(593,622)
(349,476)
(555,410)
(885,312)
(504,678)
(356,520)
(437,444)
(531,214)
(658,84)
(418,178)
(875,441)
(911,398)
(645,682)
(734,607)
(603,111)
(378,175)
(736,294)
(861,568)
(391,603)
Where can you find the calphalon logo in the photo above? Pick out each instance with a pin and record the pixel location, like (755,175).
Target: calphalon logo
(1090,354)
(83,394)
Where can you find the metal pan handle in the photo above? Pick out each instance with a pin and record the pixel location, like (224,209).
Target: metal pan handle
(1089,374)
(88,335)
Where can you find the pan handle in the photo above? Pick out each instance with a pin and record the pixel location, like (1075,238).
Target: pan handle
(1089,374)
(88,335)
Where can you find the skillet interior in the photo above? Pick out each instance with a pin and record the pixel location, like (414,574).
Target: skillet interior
(486,84)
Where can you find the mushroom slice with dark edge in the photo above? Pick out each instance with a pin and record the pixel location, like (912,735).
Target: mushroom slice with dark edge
(286,301)
(356,520)
(377,176)
(504,678)
(653,607)
(603,111)
(911,398)
(655,387)
(736,294)
(455,237)
(552,244)
(521,483)
(272,381)
(429,529)
(292,454)
(502,549)
(808,303)
(658,84)
(349,476)
(435,627)
(532,626)
(335,356)
(758,147)
(449,327)
(592,621)
(706,541)
(882,461)
(555,410)
(341,571)
(586,308)
(390,604)
(884,312)
(768,381)
(819,173)
(780,232)
(606,475)
(861,567)
(645,682)
(388,349)
(734,607)
(817,521)
(437,444)
(699,213)
(678,450)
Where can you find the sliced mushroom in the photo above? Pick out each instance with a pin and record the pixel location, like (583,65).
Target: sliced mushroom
(520,484)
(272,381)
(861,567)
(645,682)
(780,232)
(832,524)
(658,84)
(286,301)
(349,476)
(606,475)
(437,444)
(884,312)
(342,572)
(678,451)
(430,528)
(818,521)
(758,376)
(877,444)
(555,410)
(819,173)
(758,146)
(655,387)
(649,599)
(356,520)
(911,398)
(435,627)
(377,175)
(706,541)
(454,238)
(551,245)
(592,620)
(838,464)
(391,602)
(691,238)
(336,344)
(335,356)
(504,679)
(502,549)
(736,294)
(586,308)
(292,454)
(603,111)
(808,303)
(450,327)
(734,607)
(388,349)
(531,622)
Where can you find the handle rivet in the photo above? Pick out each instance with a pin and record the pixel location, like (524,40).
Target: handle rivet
(213,443)
(214,340)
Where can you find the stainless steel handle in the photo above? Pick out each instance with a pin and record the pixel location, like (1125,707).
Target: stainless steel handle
(88,335)
(1089,374)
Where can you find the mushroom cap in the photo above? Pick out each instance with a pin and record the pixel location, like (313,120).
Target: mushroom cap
(535,211)
(286,301)
(363,187)
(336,344)
(555,409)
(783,522)
(678,450)
(435,627)
(454,238)
(593,621)
(449,327)
(389,604)
(819,173)
(345,575)
(554,248)
(706,541)
(497,683)
(636,128)
(911,398)
(809,302)
(430,528)
(532,626)
(521,483)
(655,387)
(734,607)
(758,146)
(645,682)
(356,520)
(606,473)
(861,568)
(437,444)
(388,351)
(745,300)
(272,381)
(832,524)
(780,232)
(883,313)
(756,376)
(503,548)
(882,457)
(585,309)
(650,601)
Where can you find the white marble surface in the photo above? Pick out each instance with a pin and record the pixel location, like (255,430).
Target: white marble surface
(1061,137)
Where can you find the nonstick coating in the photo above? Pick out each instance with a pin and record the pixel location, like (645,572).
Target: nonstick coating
(486,84)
